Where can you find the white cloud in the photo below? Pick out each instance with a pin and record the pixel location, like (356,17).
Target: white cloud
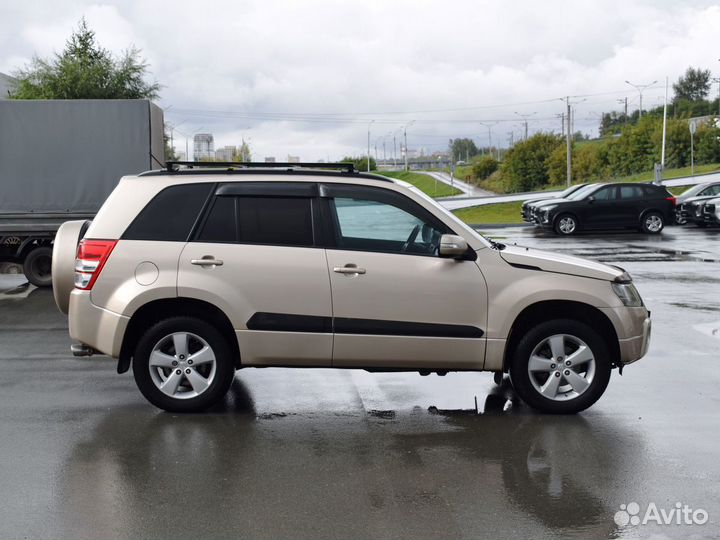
(317,57)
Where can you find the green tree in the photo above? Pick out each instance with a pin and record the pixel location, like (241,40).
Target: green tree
(707,144)
(360,162)
(484,166)
(525,166)
(693,86)
(462,149)
(242,153)
(84,70)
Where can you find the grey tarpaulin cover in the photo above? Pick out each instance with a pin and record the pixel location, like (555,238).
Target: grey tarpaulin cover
(67,155)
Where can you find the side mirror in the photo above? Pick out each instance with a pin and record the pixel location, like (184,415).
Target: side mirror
(591,199)
(452,246)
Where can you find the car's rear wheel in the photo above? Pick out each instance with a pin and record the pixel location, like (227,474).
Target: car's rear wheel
(560,366)
(566,224)
(652,223)
(37,266)
(183,364)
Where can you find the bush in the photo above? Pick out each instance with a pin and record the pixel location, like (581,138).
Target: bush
(484,166)
(360,162)
(524,167)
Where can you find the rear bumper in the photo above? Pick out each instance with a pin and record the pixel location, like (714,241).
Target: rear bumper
(95,327)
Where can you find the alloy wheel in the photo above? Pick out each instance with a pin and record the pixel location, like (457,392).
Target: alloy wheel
(561,367)
(182,365)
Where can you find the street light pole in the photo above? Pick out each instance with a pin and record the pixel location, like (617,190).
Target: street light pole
(640,88)
(410,123)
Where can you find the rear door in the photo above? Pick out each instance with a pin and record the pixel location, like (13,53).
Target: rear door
(255,256)
(396,303)
(631,202)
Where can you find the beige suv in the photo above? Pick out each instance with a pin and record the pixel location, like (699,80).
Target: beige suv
(191,273)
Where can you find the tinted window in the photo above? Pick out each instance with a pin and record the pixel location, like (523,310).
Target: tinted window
(283,221)
(170,215)
(580,193)
(605,194)
(631,192)
(221,223)
(712,190)
(378,226)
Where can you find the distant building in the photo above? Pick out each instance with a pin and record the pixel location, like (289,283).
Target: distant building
(293,159)
(226,153)
(7,84)
(270,159)
(203,146)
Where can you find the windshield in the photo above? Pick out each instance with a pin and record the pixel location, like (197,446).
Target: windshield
(580,193)
(693,190)
(570,190)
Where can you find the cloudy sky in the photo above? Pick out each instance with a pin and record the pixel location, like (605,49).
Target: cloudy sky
(309,77)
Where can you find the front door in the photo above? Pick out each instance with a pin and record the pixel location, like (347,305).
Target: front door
(601,211)
(396,303)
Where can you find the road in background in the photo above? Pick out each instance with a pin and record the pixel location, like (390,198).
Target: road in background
(321,453)
(455,203)
(468,189)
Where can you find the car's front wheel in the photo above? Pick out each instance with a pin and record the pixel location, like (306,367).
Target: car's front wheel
(183,364)
(560,366)
(566,224)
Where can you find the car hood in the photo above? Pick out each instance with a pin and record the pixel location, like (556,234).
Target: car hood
(548,202)
(546,261)
(535,201)
(702,198)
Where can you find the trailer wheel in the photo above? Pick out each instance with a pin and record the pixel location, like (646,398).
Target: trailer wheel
(37,266)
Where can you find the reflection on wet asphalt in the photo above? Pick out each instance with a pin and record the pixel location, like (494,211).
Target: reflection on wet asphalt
(346,454)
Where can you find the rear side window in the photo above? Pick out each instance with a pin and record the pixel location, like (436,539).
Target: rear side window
(283,221)
(631,192)
(221,223)
(170,215)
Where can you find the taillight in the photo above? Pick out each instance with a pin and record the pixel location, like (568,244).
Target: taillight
(89,261)
(672,199)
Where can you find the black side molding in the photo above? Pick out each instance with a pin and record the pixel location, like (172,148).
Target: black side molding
(282,322)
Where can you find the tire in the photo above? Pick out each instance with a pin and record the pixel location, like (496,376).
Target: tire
(37,266)
(566,396)
(652,223)
(566,224)
(211,372)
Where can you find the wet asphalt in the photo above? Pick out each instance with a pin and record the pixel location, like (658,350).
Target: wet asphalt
(346,454)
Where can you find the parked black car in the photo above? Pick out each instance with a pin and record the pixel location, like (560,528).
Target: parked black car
(711,212)
(706,190)
(527,206)
(647,207)
(537,208)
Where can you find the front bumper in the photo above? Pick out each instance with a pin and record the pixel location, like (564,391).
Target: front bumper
(634,348)
(95,327)
(633,327)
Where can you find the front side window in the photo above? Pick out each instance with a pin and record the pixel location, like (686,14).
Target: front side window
(370,225)
(605,194)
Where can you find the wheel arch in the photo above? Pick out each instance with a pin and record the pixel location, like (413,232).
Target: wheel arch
(561,309)
(157,310)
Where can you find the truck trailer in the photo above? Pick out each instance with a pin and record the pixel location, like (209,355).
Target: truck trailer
(59,160)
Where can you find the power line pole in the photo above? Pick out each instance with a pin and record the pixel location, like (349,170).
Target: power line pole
(368,149)
(561,116)
(717,80)
(621,101)
(407,167)
(569,143)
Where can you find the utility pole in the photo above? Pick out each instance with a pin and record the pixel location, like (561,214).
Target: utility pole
(394,152)
(569,143)
(621,101)
(368,149)
(640,88)
(717,80)
(525,121)
(407,167)
(561,116)
(512,138)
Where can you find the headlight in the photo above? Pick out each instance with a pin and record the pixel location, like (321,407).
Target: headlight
(628,294)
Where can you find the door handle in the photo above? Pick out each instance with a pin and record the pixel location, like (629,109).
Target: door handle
(206,261)
(350,269)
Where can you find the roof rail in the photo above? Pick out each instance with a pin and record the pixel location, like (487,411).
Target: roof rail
(172,166)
